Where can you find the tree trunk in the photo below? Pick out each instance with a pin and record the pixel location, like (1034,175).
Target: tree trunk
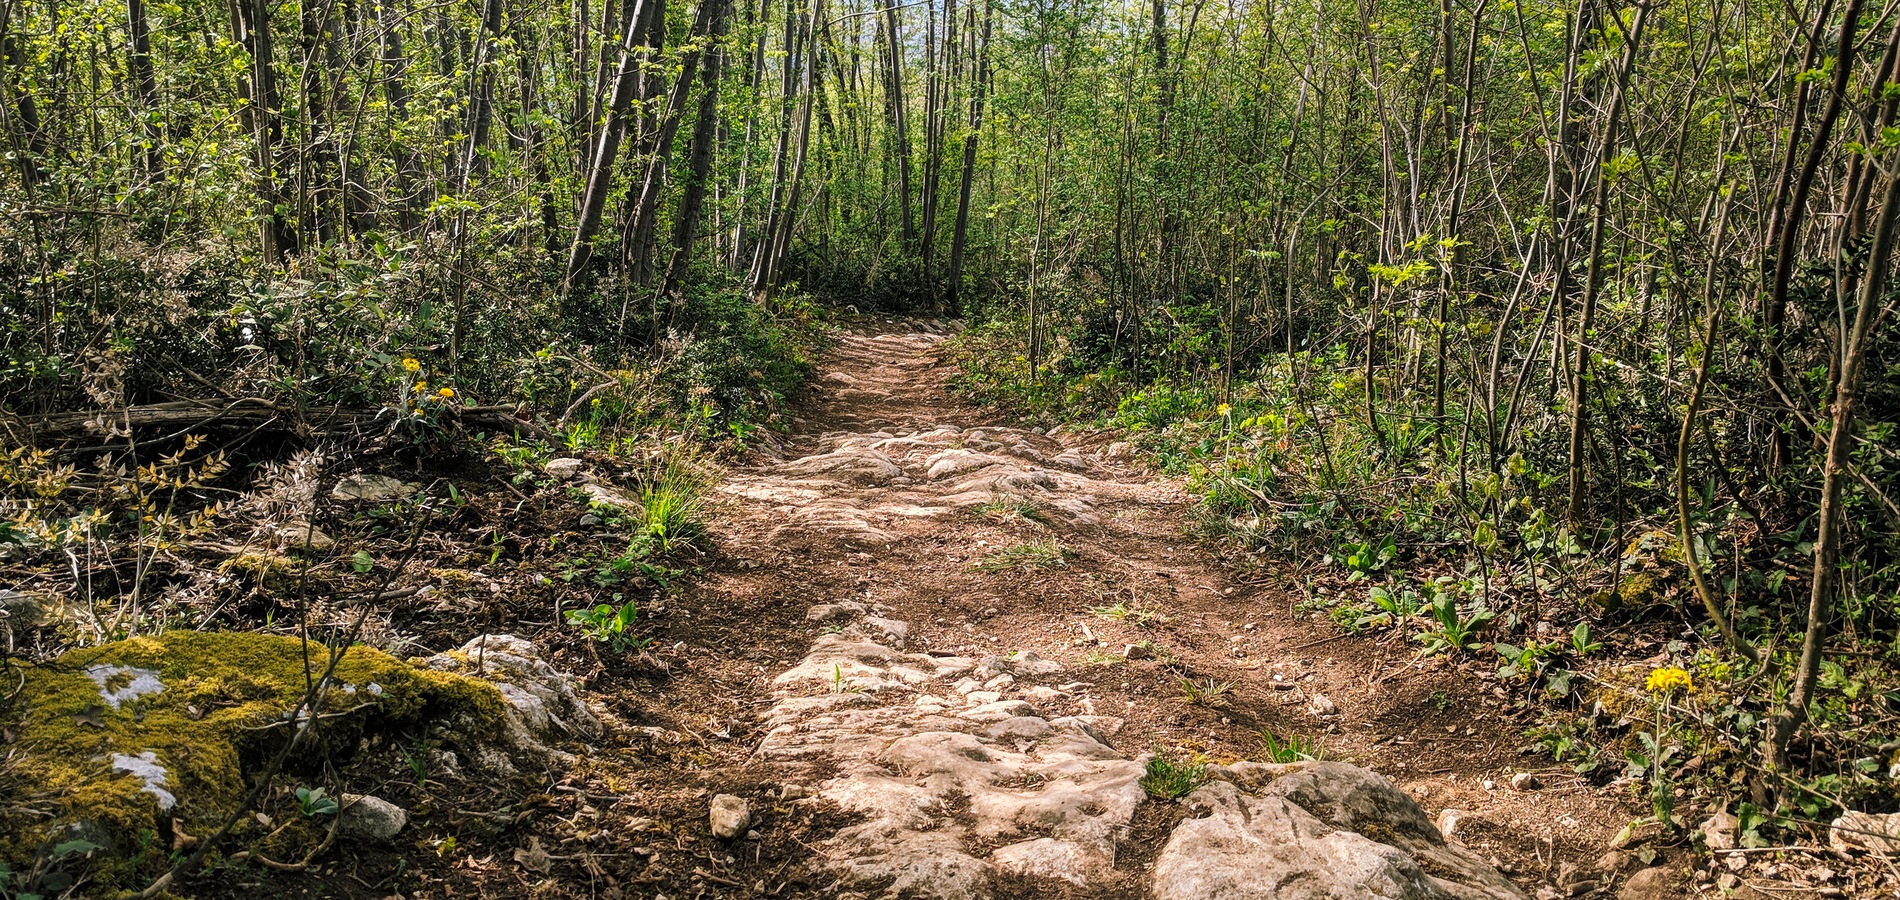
(1839,446)
(639,238)
(250,28)
(144,86)
(953,289)
(606,147)
(699,157)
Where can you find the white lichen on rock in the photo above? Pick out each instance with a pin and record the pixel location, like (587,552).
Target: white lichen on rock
(146,768)
(117,684)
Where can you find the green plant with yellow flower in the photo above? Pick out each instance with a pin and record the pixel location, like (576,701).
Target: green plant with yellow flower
(419,404)
(1669,681)
(1656,748)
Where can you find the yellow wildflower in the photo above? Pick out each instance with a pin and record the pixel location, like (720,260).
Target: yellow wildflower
(410,365)
(1223,409)
(422,387)
(1669,680)
(446,393)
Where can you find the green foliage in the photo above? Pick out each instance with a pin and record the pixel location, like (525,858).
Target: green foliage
(1454,629)
(1204,691)
(610,624)
(313,802)
(1289,749)
(1166,778)
(672,503)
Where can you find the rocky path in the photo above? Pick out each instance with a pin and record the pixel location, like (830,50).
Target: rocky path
(972,638)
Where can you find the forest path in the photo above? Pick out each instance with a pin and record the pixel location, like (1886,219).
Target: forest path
(978,573)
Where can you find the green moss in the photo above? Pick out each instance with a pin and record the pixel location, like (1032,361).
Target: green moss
(221,713)
(1637,591)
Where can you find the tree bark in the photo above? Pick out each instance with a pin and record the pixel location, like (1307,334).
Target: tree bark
(699,157)
(958,236)
(606,147)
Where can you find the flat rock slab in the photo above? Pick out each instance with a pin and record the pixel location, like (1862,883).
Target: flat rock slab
(972,794)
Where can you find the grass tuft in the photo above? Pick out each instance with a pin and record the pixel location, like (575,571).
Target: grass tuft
(1034,555)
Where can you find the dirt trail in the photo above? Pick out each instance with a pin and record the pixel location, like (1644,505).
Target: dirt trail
(897,519)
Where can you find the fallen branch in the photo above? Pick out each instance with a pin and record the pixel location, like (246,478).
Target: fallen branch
(191,415)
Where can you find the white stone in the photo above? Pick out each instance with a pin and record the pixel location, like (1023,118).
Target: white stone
(564,468)
(1301,832)
(1867,832)
(367,818)
(729,816)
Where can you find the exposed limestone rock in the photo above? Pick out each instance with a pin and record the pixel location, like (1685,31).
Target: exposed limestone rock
(1307,830)
(1868,832)
(565,468)
(860,488)
(843,610)
(960,787)
(372,488)
(541,702)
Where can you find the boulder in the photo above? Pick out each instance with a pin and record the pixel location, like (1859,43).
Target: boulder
(1318,830)
(128,736)
(540,702)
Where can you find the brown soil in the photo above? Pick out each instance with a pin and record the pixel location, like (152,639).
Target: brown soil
(631,820)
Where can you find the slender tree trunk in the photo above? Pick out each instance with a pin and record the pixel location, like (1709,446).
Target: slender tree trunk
(699,157)
(144,86)
(895,107)
(1853,353)
(395,83)
(1593,273)
(639,255)
(250,28)
(1787,236)
(953,292)
(606,148)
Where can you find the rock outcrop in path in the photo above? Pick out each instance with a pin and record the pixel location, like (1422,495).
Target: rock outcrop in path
(962,788)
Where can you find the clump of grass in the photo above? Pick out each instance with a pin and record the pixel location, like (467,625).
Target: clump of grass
(1034,555)
(1292,748)
(1101,659)
(1121,611)
(1017,506)
(1205,692)
(1166,779)
(672,502)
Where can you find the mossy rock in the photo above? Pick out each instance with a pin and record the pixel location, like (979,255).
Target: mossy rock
(121,741)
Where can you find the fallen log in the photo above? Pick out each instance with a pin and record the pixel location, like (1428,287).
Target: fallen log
(253,412)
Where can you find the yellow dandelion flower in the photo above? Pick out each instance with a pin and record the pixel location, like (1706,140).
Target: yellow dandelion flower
(1223,409)
(446,393)
(1669,680)
(422,387)
(411,365)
